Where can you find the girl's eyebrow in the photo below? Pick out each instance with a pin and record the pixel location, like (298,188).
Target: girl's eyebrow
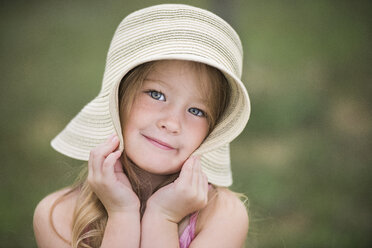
(156,80)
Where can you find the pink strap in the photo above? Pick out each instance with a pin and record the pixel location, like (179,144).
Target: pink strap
(189,233)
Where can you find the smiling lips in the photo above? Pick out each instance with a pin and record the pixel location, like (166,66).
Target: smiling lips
(159,143)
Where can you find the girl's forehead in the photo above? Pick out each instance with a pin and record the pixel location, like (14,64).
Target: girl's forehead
(166,67)
(189,75)
(181,68)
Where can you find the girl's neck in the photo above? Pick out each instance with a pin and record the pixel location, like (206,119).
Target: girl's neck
(145,183)
(150,182)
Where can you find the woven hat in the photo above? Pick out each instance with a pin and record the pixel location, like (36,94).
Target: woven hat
(166,31)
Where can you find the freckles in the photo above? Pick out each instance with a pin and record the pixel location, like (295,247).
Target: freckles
(198,130)
(139,108)
(145,104)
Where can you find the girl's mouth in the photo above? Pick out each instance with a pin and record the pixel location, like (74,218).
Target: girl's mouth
(159,143)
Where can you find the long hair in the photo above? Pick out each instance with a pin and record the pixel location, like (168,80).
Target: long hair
(90,216)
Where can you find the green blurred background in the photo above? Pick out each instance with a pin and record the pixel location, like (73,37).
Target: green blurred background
(303,160)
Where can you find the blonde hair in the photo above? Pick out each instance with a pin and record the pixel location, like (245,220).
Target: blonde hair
(90,216)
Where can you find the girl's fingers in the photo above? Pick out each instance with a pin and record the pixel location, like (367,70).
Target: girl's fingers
(110,137)
(202,181)
(108,147)
(204,184)
(186,171)
(196,172)
(118,167)
(108,167)
(99,154)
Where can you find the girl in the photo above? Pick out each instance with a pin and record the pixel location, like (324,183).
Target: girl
(172,100)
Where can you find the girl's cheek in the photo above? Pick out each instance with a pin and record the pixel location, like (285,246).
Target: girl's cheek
(145,103)
(198,125)
(198,120)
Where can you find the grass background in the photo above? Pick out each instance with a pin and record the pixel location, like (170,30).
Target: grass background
(304,159)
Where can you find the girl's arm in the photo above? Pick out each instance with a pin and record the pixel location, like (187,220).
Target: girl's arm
(46,237)
(122,230)
(158,231)
(170,204)
(224,223)
(109,183)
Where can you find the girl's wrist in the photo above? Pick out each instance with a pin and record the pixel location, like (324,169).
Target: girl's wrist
(122,214)
(125,218)
(156,211)
(165,233)
(131,208)
(154,215)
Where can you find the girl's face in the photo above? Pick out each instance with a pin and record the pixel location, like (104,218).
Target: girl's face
(167,121)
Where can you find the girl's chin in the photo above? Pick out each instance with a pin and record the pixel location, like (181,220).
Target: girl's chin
(160,172)
(161,168)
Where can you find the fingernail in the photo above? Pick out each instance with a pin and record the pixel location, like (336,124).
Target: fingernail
(111,136)
(115,139)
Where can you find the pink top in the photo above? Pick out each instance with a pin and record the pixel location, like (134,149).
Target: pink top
(189,233)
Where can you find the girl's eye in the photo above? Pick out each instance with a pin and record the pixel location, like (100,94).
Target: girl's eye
(156,95)
(197,112)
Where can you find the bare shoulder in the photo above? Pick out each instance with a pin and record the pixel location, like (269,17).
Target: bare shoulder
(227,200)
(228,206)
(224,222)
(61,217)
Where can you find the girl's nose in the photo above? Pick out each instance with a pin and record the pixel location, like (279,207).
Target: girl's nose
(170,123)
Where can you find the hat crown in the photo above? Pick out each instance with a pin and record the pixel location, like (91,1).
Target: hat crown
(177,31)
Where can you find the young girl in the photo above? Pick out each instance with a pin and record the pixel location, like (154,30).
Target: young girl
(156,139)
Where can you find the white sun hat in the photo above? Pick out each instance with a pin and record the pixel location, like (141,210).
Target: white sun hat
(166,31)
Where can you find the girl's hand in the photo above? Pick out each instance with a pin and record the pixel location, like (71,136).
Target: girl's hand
(108,181)
(187,194)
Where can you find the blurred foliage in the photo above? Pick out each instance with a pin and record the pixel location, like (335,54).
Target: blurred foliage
(304,159)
